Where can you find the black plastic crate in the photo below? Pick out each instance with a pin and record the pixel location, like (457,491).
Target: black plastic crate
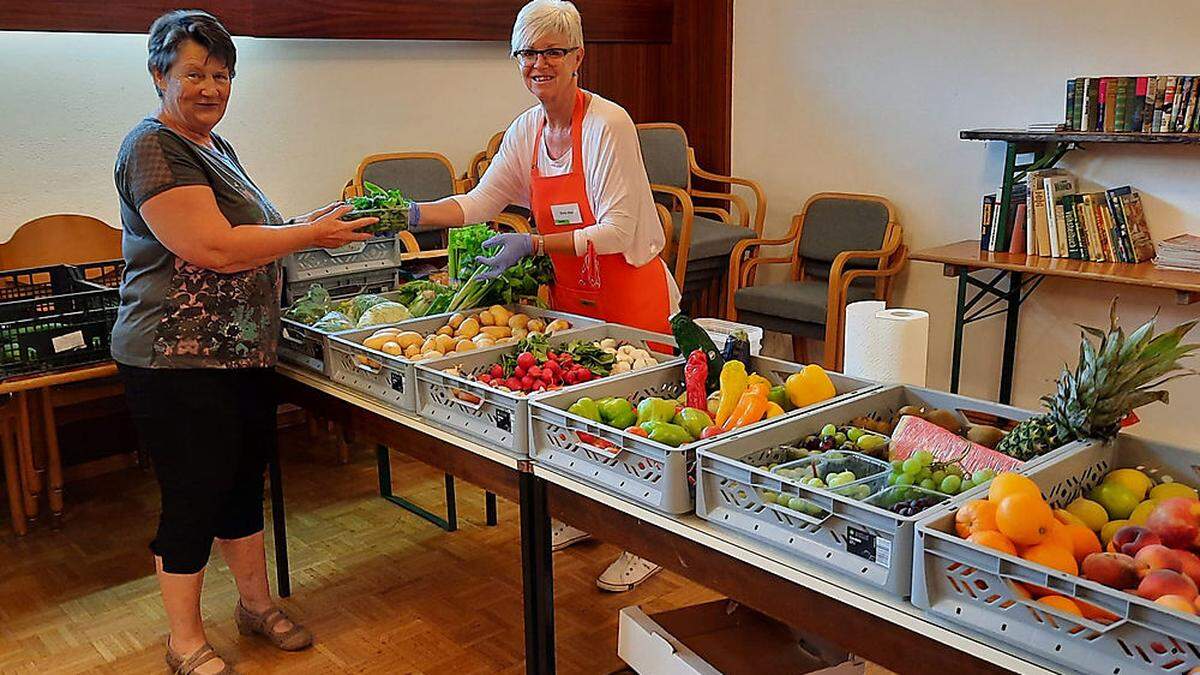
(53,317)
(107,273)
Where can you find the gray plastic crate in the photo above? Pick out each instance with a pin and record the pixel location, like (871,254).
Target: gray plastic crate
(392,379)
(499,418)
(306,346)
(637,468)
(974,586)
(855,538)
(360,256)
(345,285)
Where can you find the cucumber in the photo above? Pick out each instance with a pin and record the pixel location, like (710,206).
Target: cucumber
(691,337)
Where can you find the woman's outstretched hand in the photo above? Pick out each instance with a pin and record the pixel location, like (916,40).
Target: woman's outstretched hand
(513,247)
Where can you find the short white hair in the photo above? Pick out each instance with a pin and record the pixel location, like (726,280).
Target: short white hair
(540,18)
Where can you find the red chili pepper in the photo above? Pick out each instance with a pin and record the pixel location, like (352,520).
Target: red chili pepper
(695,374)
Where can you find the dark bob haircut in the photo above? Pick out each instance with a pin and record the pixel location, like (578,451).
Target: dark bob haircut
(171,29)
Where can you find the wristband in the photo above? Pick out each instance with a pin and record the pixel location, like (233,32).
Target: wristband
(414,214)
(539,245)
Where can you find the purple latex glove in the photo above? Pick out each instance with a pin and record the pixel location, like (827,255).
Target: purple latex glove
(513,247)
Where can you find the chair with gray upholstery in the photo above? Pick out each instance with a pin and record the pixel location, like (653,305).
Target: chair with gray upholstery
(706,235)
(844,248)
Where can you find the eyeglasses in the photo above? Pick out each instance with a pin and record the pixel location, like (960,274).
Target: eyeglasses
(553,54)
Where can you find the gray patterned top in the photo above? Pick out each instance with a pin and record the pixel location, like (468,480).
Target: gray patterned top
(175,314)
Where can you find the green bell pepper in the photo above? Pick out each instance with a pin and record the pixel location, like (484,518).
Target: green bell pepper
(666,433)
(693,420)
(655,409)
(585,407)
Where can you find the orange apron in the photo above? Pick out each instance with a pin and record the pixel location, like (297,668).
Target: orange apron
(604,287)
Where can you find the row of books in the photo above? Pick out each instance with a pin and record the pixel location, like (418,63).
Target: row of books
(1147,104)
(1047,216)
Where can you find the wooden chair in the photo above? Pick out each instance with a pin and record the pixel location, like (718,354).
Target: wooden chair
(844,248)
(53,239)
(704,236)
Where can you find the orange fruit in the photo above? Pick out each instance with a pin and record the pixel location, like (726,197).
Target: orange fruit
(993,539)
(977,515)
(1062,604)
(1024,518)
(1060,536)
(1052,556)
(1083,541)
(1095,612)
(1021,591)
(1067,518)
(1008,484)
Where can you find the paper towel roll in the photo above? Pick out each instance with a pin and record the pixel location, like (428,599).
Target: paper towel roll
(886,345)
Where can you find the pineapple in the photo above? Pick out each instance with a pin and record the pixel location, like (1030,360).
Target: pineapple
(1113,377)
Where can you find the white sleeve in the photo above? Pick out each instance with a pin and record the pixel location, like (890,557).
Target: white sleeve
(506,180)
(622,198)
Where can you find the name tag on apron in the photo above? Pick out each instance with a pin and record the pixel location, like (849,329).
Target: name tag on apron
(566,214)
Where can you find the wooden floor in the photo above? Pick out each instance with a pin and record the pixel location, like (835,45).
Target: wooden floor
(384,591)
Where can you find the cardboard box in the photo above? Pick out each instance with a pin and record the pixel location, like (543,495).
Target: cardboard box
(723,638)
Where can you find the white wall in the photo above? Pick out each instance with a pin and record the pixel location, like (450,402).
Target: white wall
(869,96)
(302,113)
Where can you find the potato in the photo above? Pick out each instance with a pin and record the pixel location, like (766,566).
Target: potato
(430,344)
(496,332)
(643,363)
(445,330)
(412,351)
(505,341)
(518,320)
(408,338)
(445,343)
(485,342)
(455,320)
(430,355)
(386,331)
(486,318)
(376,342)
(519,333)
(535,325)
(500,314)
(465,346)
(392,348)
(469,328)
(557,325)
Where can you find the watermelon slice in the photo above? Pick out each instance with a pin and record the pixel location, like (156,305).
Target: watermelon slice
(913,433)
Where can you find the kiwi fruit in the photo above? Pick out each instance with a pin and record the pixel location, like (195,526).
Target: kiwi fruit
(944,419)
(984,434)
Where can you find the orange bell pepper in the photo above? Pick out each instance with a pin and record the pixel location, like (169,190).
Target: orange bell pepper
(752,405)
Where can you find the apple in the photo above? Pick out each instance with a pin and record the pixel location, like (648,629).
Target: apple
(1176,521)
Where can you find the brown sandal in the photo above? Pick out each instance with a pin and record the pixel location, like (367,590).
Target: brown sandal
(292,640)
(206,653)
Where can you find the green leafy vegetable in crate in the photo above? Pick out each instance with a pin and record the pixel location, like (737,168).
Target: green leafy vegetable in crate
(465,244)
(389,206)
(310,307)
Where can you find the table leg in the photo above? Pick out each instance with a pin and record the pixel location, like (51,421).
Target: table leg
(383,462)
(12,480)
(53,457)
(283,578)
(537,576)
(29,473)
(960,311)
(1007,364)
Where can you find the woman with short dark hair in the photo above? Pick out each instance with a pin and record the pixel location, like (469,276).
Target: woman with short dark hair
(196,331)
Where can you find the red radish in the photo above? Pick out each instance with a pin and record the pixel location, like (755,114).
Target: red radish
(584,375)
(485,378)
(535,371)
(497,371)
(525,360)
(513,383)
(526,382)
(519,371)
(570,378)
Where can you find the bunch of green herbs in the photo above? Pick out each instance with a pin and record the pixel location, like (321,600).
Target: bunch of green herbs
(389,206)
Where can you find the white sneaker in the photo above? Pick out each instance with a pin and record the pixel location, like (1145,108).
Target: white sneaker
(563,535)
(626,573)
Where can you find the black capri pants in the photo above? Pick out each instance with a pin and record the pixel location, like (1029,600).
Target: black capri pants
(210,433)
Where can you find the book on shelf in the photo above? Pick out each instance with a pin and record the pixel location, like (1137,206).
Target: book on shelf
(1181,252)
(1091,109)
(985,224)
(1164,125)
(1081,229)
(1077,113)
(1070,116)
(1120,233)
(1190,114)
(1108,94)
(1038,235)
(996,234)
(1092,228)
(1056,187)
(1017,237)
(1074,249)
(1139,103)
(1120,100)
(1141,245)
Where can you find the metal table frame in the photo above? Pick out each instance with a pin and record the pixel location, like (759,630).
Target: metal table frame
(875,626)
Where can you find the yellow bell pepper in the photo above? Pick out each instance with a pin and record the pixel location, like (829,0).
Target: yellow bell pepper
(733,383)
(808,386)
(773,409)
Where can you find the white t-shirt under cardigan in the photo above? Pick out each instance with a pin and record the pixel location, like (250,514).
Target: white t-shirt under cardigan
(618,189)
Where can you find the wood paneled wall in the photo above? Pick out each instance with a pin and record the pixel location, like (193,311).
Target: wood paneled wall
(609,20)
(687,81)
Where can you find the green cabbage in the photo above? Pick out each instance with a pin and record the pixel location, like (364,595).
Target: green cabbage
(384,312)
(334,322)
(355,307)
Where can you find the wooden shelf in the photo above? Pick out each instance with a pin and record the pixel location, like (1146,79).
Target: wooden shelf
(1021,136)
(966,255)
